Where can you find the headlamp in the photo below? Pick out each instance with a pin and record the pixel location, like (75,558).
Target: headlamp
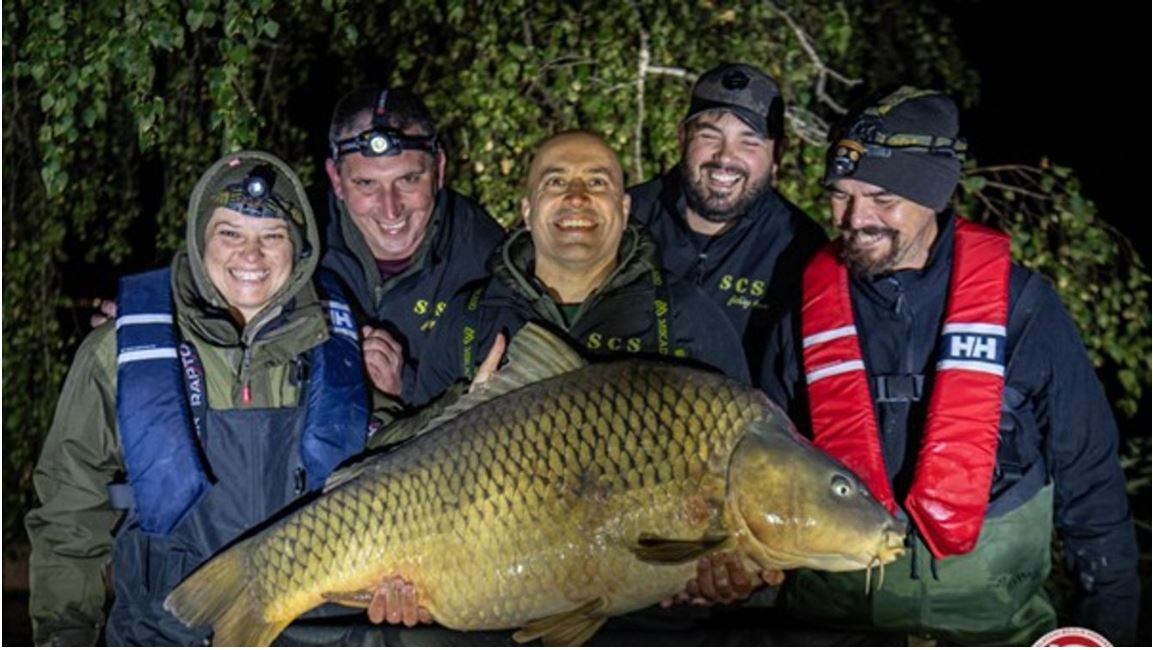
(865,138)
(382,139)
(375,143)
(253,197)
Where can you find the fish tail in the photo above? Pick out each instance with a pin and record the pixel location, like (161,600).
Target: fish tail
(217,594)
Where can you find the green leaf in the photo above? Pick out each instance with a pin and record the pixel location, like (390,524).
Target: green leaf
(194,18)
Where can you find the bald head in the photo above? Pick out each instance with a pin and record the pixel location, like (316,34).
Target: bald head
(569,145)
(576,209)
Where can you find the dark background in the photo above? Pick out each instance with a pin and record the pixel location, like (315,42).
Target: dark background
(1059,80)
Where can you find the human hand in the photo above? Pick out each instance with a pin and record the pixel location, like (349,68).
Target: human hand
(723,579)
(105,311)
(396,602)
(384,360)
(488,367)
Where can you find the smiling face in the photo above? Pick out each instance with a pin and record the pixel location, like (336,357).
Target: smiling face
(726,165)
(576,208)
(880,231)
(248,259)
(391,199)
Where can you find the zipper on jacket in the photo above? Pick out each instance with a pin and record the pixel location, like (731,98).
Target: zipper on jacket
(702,258)
(901,308)
(246,381)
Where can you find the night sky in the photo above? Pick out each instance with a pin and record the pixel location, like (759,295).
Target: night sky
(1060,80)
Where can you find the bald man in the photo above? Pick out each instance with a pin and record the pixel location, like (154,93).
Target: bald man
(577,267)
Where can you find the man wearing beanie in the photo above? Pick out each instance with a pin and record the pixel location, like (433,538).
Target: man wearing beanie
(716,217)
(957,388)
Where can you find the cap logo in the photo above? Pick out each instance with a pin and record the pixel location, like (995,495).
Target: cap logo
(735,80)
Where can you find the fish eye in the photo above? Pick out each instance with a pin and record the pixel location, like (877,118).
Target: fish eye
(842,486)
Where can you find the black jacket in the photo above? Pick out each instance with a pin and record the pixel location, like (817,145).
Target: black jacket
(460,239)
(750,271)
(621,318)
(1056,422)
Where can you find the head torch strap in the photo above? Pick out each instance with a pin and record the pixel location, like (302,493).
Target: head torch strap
(270,206)
(376,142)
(379,110)
(898,97)
(933,144)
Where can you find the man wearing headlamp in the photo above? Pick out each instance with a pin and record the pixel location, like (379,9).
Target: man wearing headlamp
(400,241)
(955,384)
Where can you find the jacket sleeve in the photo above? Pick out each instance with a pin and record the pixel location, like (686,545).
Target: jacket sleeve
(71,531)
(1091,508)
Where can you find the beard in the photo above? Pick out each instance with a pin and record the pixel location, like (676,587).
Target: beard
(860,261)
(717,208)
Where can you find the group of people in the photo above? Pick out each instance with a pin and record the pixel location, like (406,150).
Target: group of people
(910,348)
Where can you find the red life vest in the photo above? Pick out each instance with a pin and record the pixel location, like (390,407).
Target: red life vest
(954,470)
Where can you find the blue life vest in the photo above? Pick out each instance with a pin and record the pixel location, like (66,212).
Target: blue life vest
(155,401)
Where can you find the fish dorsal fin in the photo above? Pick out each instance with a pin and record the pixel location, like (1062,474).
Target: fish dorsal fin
(535,354)
(571,628)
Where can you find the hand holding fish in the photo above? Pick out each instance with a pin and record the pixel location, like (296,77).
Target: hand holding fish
(723,579)
(396,601)
(622,474)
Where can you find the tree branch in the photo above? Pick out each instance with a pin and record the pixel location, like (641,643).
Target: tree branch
(643,59)
(808,125)
(995,169)
(680,73)
(527,28)
(1017,189)
(823,71)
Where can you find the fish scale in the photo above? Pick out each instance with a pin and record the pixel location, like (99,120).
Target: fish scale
(526,506)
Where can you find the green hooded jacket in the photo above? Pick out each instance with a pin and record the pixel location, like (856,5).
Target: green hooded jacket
(72,531)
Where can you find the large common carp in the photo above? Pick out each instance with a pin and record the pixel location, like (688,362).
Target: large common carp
(558,495)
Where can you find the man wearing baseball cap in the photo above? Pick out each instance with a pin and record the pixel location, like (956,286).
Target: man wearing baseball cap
(957,388)
(716,216)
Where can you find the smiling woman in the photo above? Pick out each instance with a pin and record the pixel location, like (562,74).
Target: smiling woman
(247,258)
(221,365)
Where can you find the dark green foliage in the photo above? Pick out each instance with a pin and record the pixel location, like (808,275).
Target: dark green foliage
(112,109)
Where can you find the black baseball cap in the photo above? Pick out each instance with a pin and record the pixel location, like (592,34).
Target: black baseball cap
(744,90)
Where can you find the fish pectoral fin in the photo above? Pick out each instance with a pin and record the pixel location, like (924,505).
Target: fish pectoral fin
(659,550)
(570,628)
(360,599)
